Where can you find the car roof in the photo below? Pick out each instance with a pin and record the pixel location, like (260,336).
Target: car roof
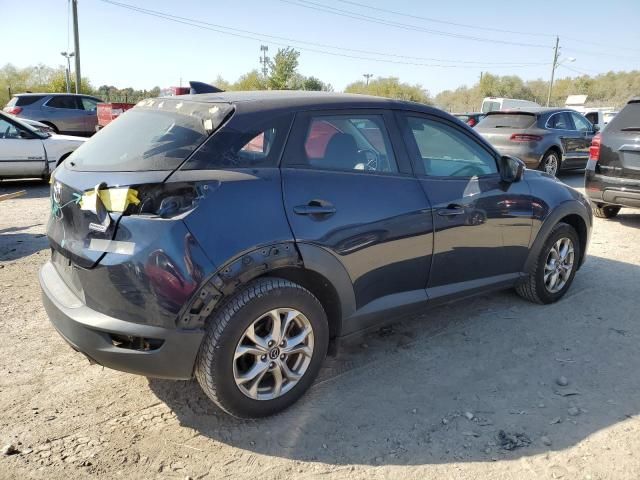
(532,110)
(297,100)
(57,94)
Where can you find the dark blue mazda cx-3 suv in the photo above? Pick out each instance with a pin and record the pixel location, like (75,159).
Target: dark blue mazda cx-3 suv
(233,236)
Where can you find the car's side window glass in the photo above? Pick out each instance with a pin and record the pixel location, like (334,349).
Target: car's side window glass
(257,146)
(560,121)
(592,117)
(8,130)
(348,142)
(62,101)
(448,152)
(581,123)
(89,104)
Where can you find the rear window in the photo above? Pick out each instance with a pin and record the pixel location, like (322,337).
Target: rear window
(507,120)
(22,101)
(157,134)
(627,118)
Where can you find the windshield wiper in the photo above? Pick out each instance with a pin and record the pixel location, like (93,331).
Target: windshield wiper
(630,129)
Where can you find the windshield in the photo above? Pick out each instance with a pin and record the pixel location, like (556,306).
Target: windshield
(157,134)
(24,125)
(489,106)
(507,120)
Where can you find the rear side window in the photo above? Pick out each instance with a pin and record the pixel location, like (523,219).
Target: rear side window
(490,106)
(258,146)
(25,100)
(627,119)
(346,142)
(157,134)
(507,120)
(62,101)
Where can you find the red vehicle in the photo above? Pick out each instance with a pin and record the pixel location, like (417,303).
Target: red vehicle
(110,111)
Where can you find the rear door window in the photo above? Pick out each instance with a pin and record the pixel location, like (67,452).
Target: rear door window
(507,120)
(346,142)
(63,101)
(157,134)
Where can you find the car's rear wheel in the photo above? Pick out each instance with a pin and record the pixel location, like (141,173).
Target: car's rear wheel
(604,211)
(550,163)
(263,348)
(555,267)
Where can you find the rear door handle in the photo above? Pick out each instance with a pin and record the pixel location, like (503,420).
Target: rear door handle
(451,210)
(315,207)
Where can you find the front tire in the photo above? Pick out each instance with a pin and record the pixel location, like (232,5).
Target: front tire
(555,267)
(263,348)
(550,163)
(604,211)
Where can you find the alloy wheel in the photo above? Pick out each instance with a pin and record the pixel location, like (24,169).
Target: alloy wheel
(273,354)
(559,265)
(551,164)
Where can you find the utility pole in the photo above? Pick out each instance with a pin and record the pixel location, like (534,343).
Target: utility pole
(368,76)
(264,60)
(67,72)
(481,76)
(553,69)
(76,43)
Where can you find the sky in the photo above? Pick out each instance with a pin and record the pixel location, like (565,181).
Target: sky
(439,45)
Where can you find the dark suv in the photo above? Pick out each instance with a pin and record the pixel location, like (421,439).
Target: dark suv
(549,139)
(612,177)
(234,236)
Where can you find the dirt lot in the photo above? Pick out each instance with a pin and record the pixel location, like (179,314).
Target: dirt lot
(426,399)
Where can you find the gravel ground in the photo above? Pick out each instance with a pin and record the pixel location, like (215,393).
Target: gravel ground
(468,390)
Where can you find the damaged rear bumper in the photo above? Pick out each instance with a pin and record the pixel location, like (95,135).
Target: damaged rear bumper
(130,347)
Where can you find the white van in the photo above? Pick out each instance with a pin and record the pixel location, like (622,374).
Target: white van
(490,104)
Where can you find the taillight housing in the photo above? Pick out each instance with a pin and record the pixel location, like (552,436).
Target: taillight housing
(525,137)
(594,149)
(13,110)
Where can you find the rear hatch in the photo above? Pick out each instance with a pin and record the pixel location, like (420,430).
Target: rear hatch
(620,144)
(115,173)
(498,127)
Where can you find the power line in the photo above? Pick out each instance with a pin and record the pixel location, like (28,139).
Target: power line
(261,37)
(576,70)
(444,22)
(403,26)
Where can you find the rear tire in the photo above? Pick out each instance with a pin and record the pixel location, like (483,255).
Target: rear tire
(550,163)
(538,286)
(604,211)
(245,322)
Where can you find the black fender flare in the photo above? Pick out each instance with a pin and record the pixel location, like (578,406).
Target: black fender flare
(570,207)
(263,260)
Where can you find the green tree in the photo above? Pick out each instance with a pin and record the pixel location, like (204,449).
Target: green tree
(249,81)
(390,87)
(283,69)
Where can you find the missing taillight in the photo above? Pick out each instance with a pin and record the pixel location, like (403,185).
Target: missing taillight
(166,200)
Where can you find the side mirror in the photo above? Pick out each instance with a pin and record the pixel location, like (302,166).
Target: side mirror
(24,134)
(511,169)
(596,128)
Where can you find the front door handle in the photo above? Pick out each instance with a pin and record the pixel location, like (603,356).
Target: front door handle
(315,207)
(451,210)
